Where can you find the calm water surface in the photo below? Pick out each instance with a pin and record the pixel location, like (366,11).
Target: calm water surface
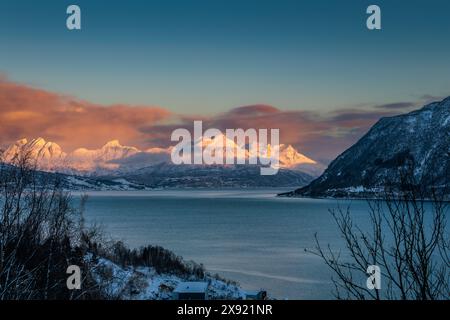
(246,235)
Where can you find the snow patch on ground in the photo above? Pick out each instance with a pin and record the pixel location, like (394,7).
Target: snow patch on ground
(144,283)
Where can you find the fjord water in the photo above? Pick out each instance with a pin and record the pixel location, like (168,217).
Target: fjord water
(250,236)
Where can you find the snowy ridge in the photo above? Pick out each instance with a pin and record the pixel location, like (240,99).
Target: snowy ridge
(116,157)
(418,141)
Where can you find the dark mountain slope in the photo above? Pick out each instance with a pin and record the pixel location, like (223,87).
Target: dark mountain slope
(417,142)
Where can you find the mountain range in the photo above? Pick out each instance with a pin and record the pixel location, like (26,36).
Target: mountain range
(153,167)
(417,143)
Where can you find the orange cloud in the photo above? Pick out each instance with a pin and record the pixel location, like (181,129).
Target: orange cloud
(30,112)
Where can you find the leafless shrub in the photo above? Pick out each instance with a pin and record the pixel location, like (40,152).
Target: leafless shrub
(41,234)
(156,257)
(408,240)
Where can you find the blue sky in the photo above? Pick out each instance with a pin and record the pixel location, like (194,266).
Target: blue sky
(202,56)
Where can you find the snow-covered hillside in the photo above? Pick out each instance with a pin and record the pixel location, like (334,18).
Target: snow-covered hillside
(144,283)
(418,141)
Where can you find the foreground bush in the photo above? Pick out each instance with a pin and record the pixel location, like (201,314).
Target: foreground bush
(42,233)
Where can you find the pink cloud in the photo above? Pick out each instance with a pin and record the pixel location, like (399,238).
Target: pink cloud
(30,112)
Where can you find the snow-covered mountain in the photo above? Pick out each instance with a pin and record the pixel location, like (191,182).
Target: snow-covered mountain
(114,157)
(418,141)
(291,159)
(153,167)
(85,160)
(48,155)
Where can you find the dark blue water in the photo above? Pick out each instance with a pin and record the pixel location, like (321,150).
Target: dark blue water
(248,236)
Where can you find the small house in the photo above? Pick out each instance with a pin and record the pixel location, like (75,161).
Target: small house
(191,291)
